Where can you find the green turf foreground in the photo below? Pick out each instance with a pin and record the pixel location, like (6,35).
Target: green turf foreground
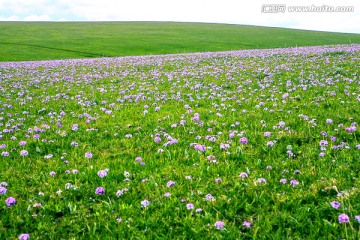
(253,144)
(62,40)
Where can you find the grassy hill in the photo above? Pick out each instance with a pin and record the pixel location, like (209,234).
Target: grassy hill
(61,40)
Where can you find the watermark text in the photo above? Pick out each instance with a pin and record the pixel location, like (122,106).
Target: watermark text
(282,8)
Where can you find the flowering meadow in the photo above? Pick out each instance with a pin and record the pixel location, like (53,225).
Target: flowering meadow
(253,144)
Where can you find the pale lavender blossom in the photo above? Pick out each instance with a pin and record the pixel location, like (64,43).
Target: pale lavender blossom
(219,225)
(283,181)
(189,206)
(243,175)
(102,173)
(119,193)
(170,183)
(335,204)
(209,197)
(3,190)
(48,156)
(218,180)
(329,121)
(24,236)
(294,182)
(200,147)
(145,203)
(5,154)
(24,153)
(247,224)
(267,134)
(262,180)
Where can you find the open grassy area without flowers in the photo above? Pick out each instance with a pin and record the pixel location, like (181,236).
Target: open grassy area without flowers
(22,41)
(253,144)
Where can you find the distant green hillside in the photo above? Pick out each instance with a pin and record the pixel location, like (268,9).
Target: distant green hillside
(61,40)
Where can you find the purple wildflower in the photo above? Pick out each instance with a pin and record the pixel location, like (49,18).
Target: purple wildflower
(5,154)
(88,155)
(102,173)
(219,225)
(10,201)
(24,153)
(357,218)
(200,147)
(48,156)
(283,181)
(247,224)
(119,193)
(243,175)
(343,218)
(37,205)
(335,204)
(24,236)
(3,190)
(100,191)
(243,140)
(323,143)
(267,134)
(294,182)
(145,203)
(262,180)
(190,206)
(170,184)
(209,197)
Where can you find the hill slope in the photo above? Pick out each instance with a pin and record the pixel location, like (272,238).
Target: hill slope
(61,40)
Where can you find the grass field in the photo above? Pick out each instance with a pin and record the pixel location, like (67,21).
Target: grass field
(255,144)
(62,40)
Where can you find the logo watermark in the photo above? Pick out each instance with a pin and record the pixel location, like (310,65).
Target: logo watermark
(282,8)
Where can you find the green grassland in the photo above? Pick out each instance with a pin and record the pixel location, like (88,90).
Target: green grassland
(261,144)
(63,40)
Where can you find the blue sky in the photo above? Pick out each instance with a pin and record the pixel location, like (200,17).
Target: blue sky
(224,11)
